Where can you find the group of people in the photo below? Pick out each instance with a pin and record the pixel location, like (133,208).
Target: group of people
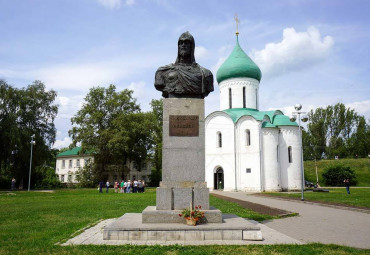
(124,186)
(129,186)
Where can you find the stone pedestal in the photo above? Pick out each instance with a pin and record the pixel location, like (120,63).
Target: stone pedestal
(183,158)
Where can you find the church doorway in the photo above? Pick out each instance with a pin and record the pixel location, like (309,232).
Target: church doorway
(219,179)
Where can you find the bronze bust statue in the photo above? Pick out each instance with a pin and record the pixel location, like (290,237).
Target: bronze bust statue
(185,78)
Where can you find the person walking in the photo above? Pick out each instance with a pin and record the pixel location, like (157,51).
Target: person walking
(143,183)
(135,186)
(346,182)
(115,186)
(140,186)
(101,184)
(13,184)
(128,186)
(107,187)
(122,186)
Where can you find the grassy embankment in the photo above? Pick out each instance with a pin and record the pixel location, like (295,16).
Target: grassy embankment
(32,223)
(359,197)
(361,166)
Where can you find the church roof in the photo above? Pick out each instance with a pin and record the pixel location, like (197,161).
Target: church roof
(237,65)
(74,152)
(276,118)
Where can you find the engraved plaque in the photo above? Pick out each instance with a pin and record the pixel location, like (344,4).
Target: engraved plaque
(184,125)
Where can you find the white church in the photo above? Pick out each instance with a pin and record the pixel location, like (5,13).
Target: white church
(248,149)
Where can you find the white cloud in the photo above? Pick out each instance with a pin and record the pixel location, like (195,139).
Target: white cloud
(297,50)
(138,88)
(115,4)
(62,143)
(111,4)
(200,52)
(130,2)
(362,107)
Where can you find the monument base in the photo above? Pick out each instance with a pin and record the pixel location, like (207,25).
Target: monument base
(130,227)
(151,215)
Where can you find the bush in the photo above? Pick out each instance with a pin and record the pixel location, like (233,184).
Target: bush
(46,178)
(335,175)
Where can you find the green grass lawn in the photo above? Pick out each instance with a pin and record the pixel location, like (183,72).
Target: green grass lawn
(359,196)
(32,223)
(361,167)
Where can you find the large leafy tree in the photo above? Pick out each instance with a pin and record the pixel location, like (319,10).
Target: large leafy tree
(24,112)
(335,130)
(111,126)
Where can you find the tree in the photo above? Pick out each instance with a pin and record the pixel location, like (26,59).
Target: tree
(24,112)
(110,125)
(335,131)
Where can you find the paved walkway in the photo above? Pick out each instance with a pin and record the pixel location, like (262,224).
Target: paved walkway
(315,223)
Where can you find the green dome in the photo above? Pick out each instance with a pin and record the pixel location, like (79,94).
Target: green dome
(238,64)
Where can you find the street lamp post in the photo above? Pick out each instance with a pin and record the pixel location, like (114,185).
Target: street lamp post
(304,118)
(29,175)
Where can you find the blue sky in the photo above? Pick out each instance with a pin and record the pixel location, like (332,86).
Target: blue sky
(311,52)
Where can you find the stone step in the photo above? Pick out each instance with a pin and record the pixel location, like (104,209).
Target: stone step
(130,227)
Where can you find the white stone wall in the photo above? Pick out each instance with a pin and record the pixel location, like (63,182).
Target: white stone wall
(248,156)
(219,156)
(236,85)
(69,170)
(271,160)
(291,177)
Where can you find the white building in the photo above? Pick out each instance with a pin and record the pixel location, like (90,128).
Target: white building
(69,162)
(248,149)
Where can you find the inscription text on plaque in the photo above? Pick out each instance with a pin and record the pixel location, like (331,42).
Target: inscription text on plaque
(184,125)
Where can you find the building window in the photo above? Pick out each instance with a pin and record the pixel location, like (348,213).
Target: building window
(230,99)
(62,178)
(77,177)
(249,170)
(244,104)
(69,178)
(290,154)
(219,139)
(78,163)
(248,137)
(70,163)
(63,164)
(277,153)
(256,99)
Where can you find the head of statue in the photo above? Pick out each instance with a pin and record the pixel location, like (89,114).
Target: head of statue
(186,47)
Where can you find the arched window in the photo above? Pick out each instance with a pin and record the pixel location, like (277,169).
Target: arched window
(244,104)
(290,154)
(277,153)
(219,139)
(230,99)
(248,137)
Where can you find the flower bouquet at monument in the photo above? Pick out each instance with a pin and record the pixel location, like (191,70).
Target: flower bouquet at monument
(192,216)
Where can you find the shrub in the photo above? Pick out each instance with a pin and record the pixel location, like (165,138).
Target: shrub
(335,175)
(46,178)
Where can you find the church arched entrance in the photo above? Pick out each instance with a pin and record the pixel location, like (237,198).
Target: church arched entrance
(219,179)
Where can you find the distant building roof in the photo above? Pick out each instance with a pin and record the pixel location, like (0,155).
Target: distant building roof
(74,152)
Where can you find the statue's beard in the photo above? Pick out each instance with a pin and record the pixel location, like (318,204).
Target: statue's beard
(184,53)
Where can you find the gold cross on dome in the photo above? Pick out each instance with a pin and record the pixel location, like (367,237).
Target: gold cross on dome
(237,22)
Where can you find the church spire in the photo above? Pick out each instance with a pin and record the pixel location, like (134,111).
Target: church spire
(237,22)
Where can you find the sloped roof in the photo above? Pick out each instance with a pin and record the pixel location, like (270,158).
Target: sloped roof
(276,118)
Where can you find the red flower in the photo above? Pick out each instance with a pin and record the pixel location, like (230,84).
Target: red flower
(196,207)
(180,214)
(200,206)
(192,213)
